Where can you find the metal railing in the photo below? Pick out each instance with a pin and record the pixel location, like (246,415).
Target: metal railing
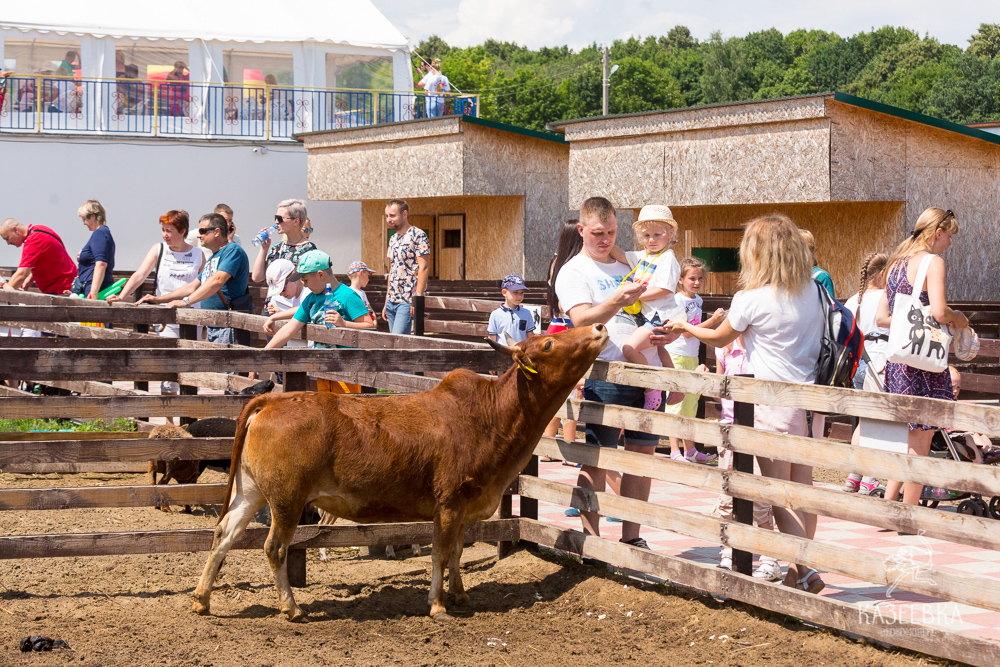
(153,108)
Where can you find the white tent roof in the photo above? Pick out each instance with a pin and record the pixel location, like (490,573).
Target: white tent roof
(353,22)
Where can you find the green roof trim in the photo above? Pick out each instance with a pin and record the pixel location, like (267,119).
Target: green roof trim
(923,119)
(516,129)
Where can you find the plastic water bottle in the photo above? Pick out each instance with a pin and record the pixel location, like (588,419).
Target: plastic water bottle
(331,303)
(263,235)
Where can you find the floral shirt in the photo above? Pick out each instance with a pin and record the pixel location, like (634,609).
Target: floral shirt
(290,252)
(403,252)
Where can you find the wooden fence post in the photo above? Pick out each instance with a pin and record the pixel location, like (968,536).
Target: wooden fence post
(188,332)
(296,558)
(418,314)
(742,508)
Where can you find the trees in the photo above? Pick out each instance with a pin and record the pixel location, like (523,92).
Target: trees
(888,64)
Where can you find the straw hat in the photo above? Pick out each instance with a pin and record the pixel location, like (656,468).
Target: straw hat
(654,213)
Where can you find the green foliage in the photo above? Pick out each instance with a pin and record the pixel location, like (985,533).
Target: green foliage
(118,424)
(893,65)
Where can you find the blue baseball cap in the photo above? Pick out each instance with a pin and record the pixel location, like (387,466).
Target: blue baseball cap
(513,282)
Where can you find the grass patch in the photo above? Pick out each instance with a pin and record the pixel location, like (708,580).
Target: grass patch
(120,424)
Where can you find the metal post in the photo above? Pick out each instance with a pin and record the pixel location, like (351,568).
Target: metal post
(742,508)
(418,314)
(605,83)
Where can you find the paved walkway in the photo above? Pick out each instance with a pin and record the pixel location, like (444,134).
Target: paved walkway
(855,536)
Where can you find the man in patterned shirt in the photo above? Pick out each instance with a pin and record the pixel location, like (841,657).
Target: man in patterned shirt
(409,266)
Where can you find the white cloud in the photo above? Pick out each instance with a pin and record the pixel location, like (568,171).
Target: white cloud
(536,23)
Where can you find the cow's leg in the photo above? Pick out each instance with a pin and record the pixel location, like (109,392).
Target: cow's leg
(455,586)
(325,519)
(169,471)
(284,521)
(247,499)
(448,531)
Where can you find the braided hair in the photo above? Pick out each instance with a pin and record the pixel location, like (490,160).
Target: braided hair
(872,270)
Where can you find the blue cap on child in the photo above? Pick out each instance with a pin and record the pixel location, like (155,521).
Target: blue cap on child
(513,282)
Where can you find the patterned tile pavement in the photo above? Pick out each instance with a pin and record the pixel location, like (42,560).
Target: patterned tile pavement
(904,605)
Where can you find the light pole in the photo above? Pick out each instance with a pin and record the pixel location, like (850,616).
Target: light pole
(606,81)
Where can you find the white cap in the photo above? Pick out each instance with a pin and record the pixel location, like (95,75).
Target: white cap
(277,272)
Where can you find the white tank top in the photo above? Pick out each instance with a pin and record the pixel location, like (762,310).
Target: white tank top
(177,269)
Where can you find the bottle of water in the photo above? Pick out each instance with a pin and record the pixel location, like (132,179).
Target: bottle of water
(331,304)
(264,234)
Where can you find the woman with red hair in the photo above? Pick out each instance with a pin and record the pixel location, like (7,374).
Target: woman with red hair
(173,263)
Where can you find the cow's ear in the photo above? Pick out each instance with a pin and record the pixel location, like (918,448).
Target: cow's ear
(502,349)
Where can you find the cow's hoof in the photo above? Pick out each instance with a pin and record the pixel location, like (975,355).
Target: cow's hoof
(462,598)
(295,614)
(200,607)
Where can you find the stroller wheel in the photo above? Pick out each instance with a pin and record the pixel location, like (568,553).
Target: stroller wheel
(995,507)
(928,503)
(971,507)
(877,492)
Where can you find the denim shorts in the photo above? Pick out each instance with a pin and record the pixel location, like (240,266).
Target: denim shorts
(653,322)
(610,393)
(859,375)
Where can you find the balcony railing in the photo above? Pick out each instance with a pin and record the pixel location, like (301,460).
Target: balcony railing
(191,109)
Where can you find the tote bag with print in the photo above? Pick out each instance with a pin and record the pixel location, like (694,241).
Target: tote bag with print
(915,338)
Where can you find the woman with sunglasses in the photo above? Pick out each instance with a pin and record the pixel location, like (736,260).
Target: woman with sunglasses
(290,218)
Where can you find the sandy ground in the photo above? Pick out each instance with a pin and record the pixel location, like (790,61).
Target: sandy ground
(527,609)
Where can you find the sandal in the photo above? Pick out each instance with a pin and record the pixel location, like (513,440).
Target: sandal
(699,457)
(653,399)
(547,459)
(815,587)
(768,570)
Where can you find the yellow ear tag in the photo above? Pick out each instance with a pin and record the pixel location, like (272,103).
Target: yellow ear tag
(526,369)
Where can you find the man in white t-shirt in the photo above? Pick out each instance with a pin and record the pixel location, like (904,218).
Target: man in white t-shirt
(591,291)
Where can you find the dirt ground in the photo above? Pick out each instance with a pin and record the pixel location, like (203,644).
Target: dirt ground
(527,609)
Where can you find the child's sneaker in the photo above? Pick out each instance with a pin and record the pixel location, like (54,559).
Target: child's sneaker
(694,456)
(677,456)
(866,486)
(653,399)
(852,483)
(768,570)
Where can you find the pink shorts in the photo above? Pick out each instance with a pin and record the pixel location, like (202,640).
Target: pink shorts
(777,419)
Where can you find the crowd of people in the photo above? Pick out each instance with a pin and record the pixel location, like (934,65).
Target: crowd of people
(648,300)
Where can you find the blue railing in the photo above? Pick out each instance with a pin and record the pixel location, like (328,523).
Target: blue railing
(153,108)
(396,107)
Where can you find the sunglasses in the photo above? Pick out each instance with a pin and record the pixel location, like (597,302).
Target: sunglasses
(278,218)
(205,230)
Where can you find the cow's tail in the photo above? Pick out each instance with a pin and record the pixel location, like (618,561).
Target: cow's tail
(251,408)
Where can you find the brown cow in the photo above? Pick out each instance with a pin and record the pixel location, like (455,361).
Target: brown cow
(445,455)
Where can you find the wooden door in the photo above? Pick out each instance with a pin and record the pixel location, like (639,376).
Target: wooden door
(450,248)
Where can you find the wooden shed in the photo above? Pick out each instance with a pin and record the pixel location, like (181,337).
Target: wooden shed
(491,196)
(855,172)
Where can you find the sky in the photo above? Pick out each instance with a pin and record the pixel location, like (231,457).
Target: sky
(578,23)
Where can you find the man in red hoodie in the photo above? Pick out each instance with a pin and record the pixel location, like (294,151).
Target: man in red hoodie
(44,259)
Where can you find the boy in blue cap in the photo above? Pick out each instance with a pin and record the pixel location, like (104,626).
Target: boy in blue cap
(511,318)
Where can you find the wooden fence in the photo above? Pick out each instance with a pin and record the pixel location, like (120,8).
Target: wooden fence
(104,354)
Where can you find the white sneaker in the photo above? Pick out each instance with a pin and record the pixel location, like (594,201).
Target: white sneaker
(768,570)
(677,456)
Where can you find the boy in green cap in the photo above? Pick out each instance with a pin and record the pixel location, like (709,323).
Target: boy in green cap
(349,310)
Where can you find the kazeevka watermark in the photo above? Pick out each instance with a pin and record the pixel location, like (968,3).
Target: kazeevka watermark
(909,563)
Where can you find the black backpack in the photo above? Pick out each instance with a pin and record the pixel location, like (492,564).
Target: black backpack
(842,344)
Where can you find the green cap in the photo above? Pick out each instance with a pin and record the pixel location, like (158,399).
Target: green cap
(311,262)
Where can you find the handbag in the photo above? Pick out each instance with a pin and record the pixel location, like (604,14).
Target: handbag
(915,337)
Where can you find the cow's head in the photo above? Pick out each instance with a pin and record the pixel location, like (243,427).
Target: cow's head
(556,360)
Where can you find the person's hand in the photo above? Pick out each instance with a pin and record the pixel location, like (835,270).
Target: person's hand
(252,375)
(113,298)
(67,292)
(271,309)
(702,368)
(149,298)
(674,397)
(93,295)
(269,326)
(959,320)
(718,314)
(413,311)
(266,243)
(176,303)
(334,318)
(384,316)
(628,293)
(664,335)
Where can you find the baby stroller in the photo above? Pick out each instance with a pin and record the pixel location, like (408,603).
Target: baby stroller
(943,446)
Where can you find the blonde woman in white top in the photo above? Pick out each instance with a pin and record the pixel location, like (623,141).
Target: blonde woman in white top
(780,315)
